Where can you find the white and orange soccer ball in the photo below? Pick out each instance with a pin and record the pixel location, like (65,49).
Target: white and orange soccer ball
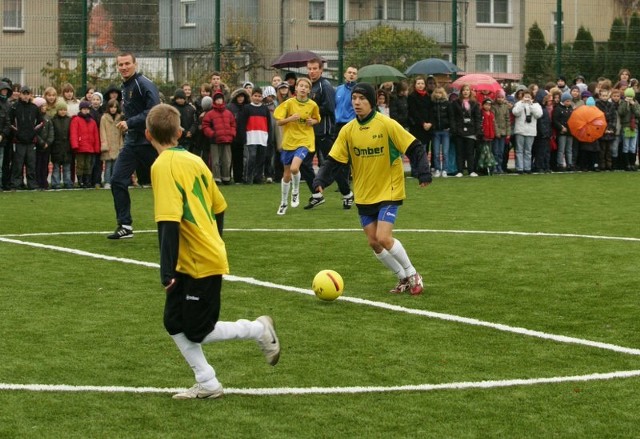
(328,285)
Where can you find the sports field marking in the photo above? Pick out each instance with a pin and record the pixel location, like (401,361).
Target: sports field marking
(438,231)
(359,301)
(464,385)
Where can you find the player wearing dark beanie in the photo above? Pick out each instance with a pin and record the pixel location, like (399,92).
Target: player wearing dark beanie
(367,91)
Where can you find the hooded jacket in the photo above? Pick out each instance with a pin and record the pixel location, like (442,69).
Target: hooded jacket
(83,135)
(219,125)
(27,119)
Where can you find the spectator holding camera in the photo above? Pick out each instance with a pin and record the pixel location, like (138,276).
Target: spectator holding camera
(526,113)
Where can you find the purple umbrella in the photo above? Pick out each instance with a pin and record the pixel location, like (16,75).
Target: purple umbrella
(297,58)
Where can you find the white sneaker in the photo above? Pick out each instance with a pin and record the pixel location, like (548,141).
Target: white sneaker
(444,174)
(459,174)
(107,186)
(268,341)
(282,209)
(473,174)
(199,392)
(295,199)
(436,174)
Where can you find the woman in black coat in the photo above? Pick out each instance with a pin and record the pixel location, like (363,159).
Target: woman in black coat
(420,114)
(466,126)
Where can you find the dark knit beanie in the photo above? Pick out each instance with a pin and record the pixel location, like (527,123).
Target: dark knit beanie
(367,91)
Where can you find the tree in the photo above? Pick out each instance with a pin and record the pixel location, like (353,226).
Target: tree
(390,46)
(70,25)
(135,24)
(538,65)
(583,54)
(615,48)
(631,52)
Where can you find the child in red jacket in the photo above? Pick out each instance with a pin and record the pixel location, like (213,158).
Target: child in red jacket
(219,126)
(85,142)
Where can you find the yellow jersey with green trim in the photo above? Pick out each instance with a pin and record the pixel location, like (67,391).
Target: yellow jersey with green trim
(298,133)
(184,192)
(374,149)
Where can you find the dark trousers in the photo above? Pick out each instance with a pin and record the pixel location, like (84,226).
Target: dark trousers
(6,164)
(96,171)
(341,173)
(466,152)
(24,154)
(42,168)
(130,158)
(237,161)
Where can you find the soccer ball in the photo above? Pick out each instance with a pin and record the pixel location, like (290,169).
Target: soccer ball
(328,285)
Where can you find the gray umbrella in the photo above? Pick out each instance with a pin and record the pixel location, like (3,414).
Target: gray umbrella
(432,66)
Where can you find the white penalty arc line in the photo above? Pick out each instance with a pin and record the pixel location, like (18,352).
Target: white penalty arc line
(356,300)
(351,230)
(464,385)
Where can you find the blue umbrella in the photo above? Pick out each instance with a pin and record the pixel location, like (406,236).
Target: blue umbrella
(432,66)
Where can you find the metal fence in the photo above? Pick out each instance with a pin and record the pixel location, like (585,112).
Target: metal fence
(45,42)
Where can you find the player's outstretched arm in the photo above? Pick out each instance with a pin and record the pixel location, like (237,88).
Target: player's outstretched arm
(417,155)
(325,174)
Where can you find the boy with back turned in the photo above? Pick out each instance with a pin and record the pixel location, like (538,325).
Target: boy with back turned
(189,211)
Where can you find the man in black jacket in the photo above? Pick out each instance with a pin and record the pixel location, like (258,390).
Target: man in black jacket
(25,119)
(139,95)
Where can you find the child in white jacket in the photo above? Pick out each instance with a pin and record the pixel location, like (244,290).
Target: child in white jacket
(526,113)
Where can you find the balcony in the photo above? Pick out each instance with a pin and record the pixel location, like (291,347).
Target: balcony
(439,31)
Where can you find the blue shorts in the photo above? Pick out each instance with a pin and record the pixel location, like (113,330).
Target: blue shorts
(286,157)
(387,213)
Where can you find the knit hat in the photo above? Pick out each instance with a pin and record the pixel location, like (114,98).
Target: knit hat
(367,91)
(566,96)
(97,93)
(585,94)
(247,84)
(282,85)
(206,103)
(218,95)
(25,89)
(268,91)
(501,94)
(61,105)
(179,94)
(590,101)
(39,101)
(629,93)
(85,104)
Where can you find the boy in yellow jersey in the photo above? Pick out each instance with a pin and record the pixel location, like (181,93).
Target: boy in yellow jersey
(189,211)
(373,145)
(297,116)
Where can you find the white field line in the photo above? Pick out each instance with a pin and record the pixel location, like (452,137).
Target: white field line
(465,385)
(438,231)
(355,300)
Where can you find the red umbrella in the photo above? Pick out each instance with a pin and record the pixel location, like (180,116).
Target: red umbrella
(297,58)
(587,123)
(481,84)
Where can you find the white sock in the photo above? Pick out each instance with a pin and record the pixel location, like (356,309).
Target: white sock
(238,330)
(284,189)
(192,352)
(390,262)
(349,195)
(295,178)
(399,254)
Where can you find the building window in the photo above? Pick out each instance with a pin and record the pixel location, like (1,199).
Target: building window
(188,13)
(491,62)
(554,29)
(323,10)
(492,11)
(12,15)
(406,10)
(13,73)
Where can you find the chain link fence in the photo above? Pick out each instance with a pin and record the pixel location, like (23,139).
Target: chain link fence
(176,41)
